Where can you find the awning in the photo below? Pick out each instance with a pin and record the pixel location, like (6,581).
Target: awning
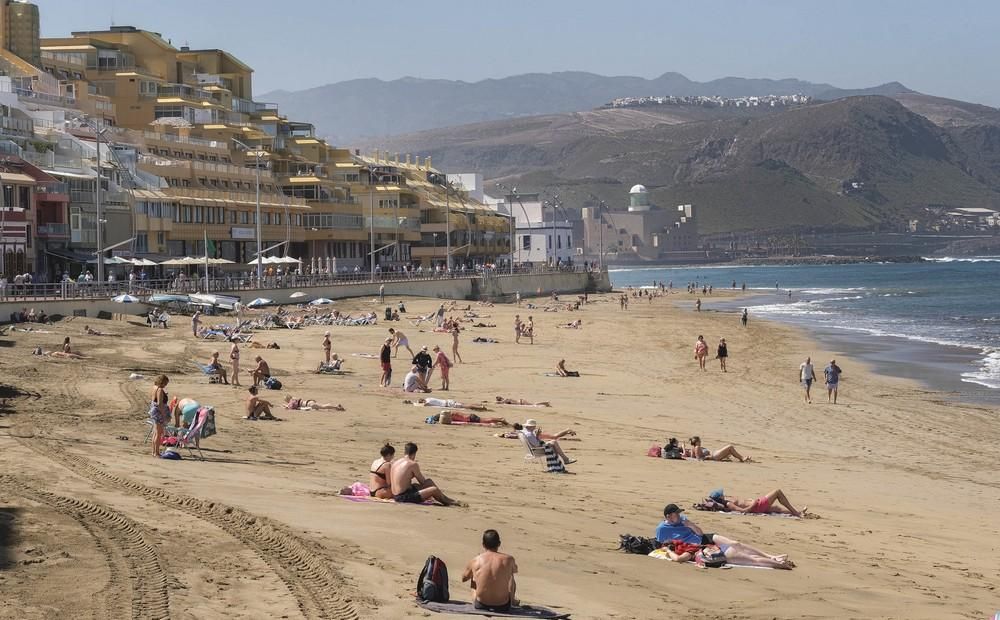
(70,255)
(305,180)
(71,175)
(14,177)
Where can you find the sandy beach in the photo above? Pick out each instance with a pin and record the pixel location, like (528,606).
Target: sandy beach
(92,526)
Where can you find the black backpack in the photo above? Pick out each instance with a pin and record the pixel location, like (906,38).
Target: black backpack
(432,584)
(637,544)
(272,384)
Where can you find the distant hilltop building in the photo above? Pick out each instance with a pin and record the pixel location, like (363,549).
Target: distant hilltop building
(642,231)
(773,101)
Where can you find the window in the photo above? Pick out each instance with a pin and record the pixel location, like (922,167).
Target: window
(24,195)
(526,242)
(198,212)
(210,219)
(187,215)
(8,196)
(141,243)
(232,217)
(558,242)
(244,217)
(161,238)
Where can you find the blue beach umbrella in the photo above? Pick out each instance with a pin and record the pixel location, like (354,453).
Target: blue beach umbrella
(322,301)
(125,299)
(260,301)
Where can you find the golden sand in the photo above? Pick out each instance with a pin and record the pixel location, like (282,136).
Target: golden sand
(93,526)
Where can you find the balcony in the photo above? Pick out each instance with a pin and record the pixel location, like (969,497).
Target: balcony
(51,231)
(213,197)
(52,192)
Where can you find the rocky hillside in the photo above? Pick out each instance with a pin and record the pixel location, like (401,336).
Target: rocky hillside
(786,170)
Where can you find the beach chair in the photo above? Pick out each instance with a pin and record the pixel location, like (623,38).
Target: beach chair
(204,426)
(541,454)
(241,338)
(333,368)
(212,374)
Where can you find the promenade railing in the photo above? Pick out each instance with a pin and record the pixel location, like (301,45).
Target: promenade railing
(237,283)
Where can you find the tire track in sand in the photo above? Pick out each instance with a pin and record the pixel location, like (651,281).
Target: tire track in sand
(121,541)
(300,565)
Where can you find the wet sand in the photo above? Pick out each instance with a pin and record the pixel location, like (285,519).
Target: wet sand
(93,526)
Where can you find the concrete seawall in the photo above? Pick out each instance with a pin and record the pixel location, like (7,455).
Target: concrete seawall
(496,288)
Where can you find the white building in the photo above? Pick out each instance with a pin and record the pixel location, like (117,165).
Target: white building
(538,240)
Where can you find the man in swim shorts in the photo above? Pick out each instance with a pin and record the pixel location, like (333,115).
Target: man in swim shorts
(832,375)
(399,339)
(491,575)
(402,474)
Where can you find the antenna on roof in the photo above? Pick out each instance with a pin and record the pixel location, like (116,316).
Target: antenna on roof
(112,12)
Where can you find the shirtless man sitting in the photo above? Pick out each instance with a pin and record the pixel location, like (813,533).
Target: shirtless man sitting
(262,372)
(562,372)
(258,408)
(402,474)
(491,575)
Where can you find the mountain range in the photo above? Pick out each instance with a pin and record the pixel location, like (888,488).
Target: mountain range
(860,162)
(345,112)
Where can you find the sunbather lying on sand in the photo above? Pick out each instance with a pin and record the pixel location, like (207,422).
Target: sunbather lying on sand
(683,540)
(270,345)
(93,332)
(762,505)
(577,324)
(308,404)
(456,417)
(66,352)
(440,402)
(521,402)
(696,451)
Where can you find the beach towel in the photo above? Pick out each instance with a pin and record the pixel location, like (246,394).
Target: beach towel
(552,462)
(361,498)
(713,507)
(462,607)
(661,554)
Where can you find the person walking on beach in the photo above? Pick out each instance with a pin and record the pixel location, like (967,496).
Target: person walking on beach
(385,359)
(832,374)
(454,343)
(722,353)
(327,345)
(517,329)
(491,576)
(234,357)
(745,317)
(807,374)
(195,323)
(701,352)
(697,305)
(529,330)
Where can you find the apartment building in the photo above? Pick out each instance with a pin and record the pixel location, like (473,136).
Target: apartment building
(184,145)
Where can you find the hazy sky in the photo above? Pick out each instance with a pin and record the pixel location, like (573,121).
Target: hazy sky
(942,48)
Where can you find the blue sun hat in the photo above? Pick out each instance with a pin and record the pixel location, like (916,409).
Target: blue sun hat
(717,495)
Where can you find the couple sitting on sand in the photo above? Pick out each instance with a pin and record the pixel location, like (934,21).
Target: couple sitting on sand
(393,478)
(683,541)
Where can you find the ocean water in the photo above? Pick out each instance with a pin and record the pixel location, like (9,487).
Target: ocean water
(937,321)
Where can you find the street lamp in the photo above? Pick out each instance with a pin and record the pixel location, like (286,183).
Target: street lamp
(510,214)
(260,253)
(554,203)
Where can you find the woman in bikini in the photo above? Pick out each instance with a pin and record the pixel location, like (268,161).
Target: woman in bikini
(159,412)
(306,404)
(696,451)
(521,402)
(379,482)
(234,357)
(66,351)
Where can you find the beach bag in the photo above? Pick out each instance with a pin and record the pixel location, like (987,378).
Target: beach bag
(432,584)
(170,455)
(710,556)
(655,451)
(674,453)
(636,544)
(272,384)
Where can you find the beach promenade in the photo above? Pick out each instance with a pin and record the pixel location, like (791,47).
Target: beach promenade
(902,479)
